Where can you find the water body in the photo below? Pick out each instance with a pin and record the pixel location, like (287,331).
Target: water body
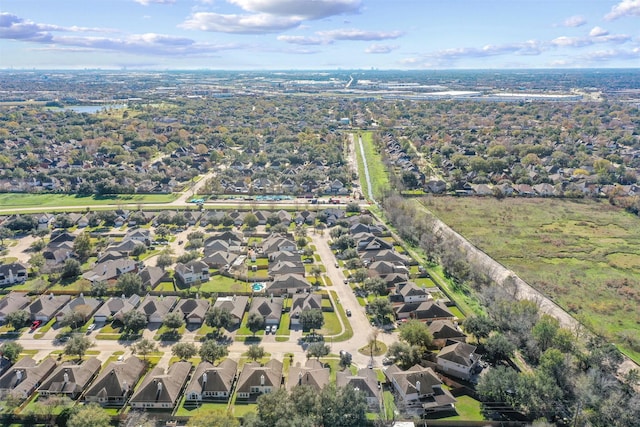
(92,109)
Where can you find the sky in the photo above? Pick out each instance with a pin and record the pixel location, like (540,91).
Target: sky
(319,34)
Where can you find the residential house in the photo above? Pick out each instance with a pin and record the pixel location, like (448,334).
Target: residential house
(211,383)
(220,259)
(286,267)
(458,359)
(278,242)
(193,310)
(369,242)
(85,305)
(70,379)
(387,255)
(256,379)
(116,308)
(22,379)
(152,276)
(410,292)
(115,383)
(427,311)
(269,308)
(444,330)
(195,271)
(302,302)
(381,268)
(288,284)
(279,256)
(46,306)
(13,273)
(14,301)
(110,270)
(235,305)
(366,381)
(313,374)
(59,248)
(419,390)
(141,235)
(156,308)
(161,389)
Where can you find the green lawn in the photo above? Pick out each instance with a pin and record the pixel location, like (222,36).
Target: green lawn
(22,200)
(468,409)
(377,173)
(331,324)
(583,254)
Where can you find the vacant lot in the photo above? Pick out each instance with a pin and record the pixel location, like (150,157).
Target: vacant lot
(20,200)
(585,254)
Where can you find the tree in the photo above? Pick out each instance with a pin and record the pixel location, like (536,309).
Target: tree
(405,355)
(381,308)
(99,288)
(17,319)
(164,260)
(5,233)
(255,352)
(11,351)
(129,284)
(545,330)
(250,220)
(74,319)
(478,326)
(162,231)
(36,261)
(212,351)
(184,350)
(133,321)
(376,285)
(213,418)
(255,322)
(414,332)
(498,385)
(91,415)
(77,346)
(498,347)
(311,319)
(174,321)
(71,269)
(144,347)
(316,271)
(318,350)
(218,318)
(138,249)
(82,245)
(342,406)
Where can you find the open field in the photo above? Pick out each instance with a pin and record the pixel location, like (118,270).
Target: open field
(20,200)
(583,254)
(377,172)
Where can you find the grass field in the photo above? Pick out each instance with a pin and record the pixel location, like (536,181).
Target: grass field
(21,200)
(377,173)
(583,254)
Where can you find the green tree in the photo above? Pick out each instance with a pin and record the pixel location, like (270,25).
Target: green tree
(164,260)
(318,350)
(129,284)
(162,231)
(376,285)
(82,245)
(255,352)
(71,269)
(316,271)
(213,418)
(99,288)
(498,347)
(184,350)
(255,322)
(11,351)
(405,354)
(311,319)
(73,319)
(545,330)
(212,351)
(77,346)
(17,319)
(250,220)
(173,321)
(5,233)
(218,318)
(415,332)
(144,347)
(478,326)
(381,309)
(36,261)
(133,321)
(498,385)
(342,406)
(91,415)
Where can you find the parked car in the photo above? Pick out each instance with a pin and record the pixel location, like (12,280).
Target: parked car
(348,313)
(36,324)
(91,327)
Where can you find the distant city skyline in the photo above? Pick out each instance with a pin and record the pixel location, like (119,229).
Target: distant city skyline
(319,34)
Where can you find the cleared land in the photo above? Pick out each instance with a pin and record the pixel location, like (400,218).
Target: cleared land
(19,200)
(377,172)
(583,254)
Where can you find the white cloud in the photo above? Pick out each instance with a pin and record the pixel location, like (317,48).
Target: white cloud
(310,9)
(380,48)
(574,21)
(531,47)
(624,8)
(240,24)
(598,32)
(16,28)
(303,40)
(148,2)
(613,54)
(571,41)
(360,35)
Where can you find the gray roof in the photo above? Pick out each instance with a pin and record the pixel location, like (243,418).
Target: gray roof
(14,301)
(153,305)
(313,374)
(252,372)
(31,374)
(269,308)
(117,379)
(459,353)
(192,307)
(78,377)
(236,305)
(172,382)
(218,378)
(47,305)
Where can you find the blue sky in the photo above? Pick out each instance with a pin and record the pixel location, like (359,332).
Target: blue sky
(319,34)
